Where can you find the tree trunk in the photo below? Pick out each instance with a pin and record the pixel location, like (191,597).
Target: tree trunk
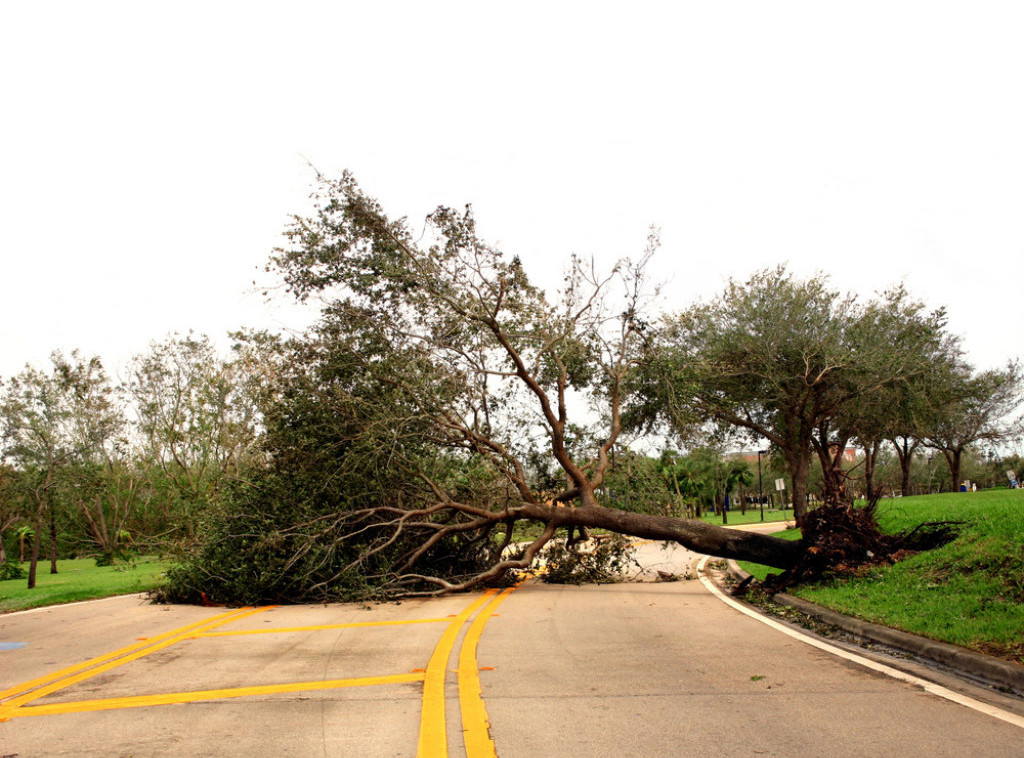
(799,467)
(830,455)
(953,460)
(905,454)
(34,561)
(53,540)
(695,535)
(870,464)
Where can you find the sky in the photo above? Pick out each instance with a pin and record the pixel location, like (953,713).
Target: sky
(152,154)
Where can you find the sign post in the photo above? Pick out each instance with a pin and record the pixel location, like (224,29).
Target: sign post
(780,487)
(760,490)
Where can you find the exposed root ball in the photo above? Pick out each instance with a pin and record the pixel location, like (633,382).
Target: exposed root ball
(841,538)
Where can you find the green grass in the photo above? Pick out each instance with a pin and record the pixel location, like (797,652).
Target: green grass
(752,516)
(969,592)
(79,579)
(759,571)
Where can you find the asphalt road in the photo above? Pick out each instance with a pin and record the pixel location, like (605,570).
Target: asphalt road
(652,669)
(669,670)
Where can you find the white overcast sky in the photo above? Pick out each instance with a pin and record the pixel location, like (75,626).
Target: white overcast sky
(150,154)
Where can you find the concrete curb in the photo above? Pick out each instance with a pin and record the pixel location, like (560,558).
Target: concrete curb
(989,668)
(41,608)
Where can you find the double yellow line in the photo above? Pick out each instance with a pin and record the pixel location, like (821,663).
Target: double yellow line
(433,741)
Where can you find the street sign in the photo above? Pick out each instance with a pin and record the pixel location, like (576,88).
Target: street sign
(780,484)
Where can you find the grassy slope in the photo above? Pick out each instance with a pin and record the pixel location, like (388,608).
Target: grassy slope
(77,580)
(969,592)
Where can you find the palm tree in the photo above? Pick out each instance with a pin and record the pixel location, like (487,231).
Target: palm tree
(24,532)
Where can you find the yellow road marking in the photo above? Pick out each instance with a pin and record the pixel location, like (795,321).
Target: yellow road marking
(284,629)
(76,678)
(23,687)
(433,742)
(433,738)
(139,701)
(475,725)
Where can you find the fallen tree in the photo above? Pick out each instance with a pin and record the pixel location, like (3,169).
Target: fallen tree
(407,433)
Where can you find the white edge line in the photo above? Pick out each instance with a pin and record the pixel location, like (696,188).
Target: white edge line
(935,689)
(57,606)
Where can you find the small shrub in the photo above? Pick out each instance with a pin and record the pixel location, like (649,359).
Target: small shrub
(123,558)
(11,570)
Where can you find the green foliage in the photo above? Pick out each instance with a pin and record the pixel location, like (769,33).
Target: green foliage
(673,484)
(248,552)
(637,483)
(601,560)
(976,408)
(121,557)
(110,478)
(198,419)
(275,542)
(11,570)
(341,440)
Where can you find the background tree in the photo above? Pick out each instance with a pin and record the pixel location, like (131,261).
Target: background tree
(197,421)
(999,465)
(10,506)
(98,484)
(636,482)
(42,432)
(786,360)
(705,477)
(735,474)
(975,407)
(880,404)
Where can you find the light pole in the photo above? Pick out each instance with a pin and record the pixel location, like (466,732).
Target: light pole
(760,494)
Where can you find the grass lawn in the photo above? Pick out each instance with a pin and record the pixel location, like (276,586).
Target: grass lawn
(759,571)
(752,516)
(79,579)
(969,592)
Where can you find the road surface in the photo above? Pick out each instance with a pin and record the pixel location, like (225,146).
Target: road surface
(653,669)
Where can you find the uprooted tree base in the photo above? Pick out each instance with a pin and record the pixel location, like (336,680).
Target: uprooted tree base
(840,538)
